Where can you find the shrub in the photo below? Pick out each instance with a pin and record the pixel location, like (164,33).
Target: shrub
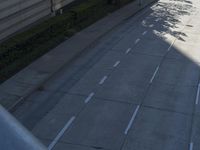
(23,48)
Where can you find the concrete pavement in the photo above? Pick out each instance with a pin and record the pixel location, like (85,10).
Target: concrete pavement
(138,88)
(15,90)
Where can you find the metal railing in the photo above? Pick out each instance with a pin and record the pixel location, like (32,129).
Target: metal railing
(13,136)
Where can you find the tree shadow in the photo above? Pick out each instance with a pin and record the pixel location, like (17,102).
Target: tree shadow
(168,16)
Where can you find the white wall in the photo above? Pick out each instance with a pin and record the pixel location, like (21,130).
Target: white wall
(17,14)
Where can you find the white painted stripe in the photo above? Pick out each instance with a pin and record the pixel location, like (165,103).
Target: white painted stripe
(191,146)
(132,119)
(151,26)
(89,97)
(171,45)
(103,80)
(60,134)
(128,50)
(154,74)
(136,41)
(145,32)
(197,96)
(116,63)
(143,22)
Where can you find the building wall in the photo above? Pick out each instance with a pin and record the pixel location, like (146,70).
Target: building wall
(17,14)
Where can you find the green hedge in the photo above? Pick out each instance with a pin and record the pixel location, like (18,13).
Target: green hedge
(23,48)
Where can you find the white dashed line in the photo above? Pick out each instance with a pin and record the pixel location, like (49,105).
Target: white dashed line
(60,134)
(136,41)
(132,120)
(145,32)
(143,22)
(191,146)
(151,26)
(128,50)
(103,80)
(154,74)
(116,63)
(197,96)
(89,97)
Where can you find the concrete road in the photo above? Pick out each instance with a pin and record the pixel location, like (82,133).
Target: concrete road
(136,89)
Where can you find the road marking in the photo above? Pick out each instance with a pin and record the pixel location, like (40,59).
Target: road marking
(116,63)
(128,50)
(191,146)
(60,134)
(157,19)
(132,119)
(197,96)
(136,41)
(171,45)
(154,74)
(145,32)
(103,80)
(89,97)
(151,26)
(143,22)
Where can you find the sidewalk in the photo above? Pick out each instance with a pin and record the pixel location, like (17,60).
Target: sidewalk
(16,89)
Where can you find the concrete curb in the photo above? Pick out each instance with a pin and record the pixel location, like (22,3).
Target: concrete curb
(15,90)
